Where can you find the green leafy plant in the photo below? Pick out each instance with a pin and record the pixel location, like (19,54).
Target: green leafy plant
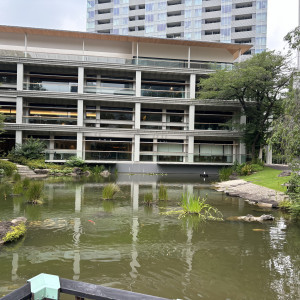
(26,183)
(35,192)
(75,161)
(110,190)
(16,177)
(18,187)
(162,192)
(148,199)
(8,167)
(225,173)
(6,190)
(15,233)
(98,169)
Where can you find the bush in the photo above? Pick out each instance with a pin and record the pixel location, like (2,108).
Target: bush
(294,194)
(97,169)
(31,149)
(26,183)
(162,193)
(256,167)
(15,233)
(35,192)
(8,167)
(225,173)
(148,199)
(75,161)
(246,170)
(110,190)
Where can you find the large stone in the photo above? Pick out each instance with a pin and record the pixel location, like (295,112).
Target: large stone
(250,218)
(105,173)
(41,171)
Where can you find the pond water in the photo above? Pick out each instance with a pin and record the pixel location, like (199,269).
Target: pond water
(127,245)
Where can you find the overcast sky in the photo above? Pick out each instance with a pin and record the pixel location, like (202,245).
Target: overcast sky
(71,15)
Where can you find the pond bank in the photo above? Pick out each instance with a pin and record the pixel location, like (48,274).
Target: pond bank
(253,193)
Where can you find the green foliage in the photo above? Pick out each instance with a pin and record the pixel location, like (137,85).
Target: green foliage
(148,199)
(162,192)
(293,38)
(97,169)
(16,177)
(18,187)
(246,170)
(15,233)
(6,189)
(63,171)
(110,190)
(31,149)
(8,167)
(258,84)
(195,205)
(225,173)
(75,161)
(256,167)
(294,194)
(26,183)
(35,192)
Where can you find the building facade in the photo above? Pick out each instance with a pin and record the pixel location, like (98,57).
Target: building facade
(229,21)
(125,101)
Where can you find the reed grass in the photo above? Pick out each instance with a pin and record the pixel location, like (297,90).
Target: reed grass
(35,192)
(109,191)
(162,193)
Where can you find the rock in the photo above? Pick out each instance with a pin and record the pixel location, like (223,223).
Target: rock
(250,218)
(105,173)
(263,204)
(18,220)
(285,173)
(77,171)
(87,173)
(41,171)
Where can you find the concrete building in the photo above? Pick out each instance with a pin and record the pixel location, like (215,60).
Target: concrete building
(229,21)
(120,100)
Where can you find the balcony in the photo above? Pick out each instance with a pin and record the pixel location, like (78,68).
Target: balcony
(52,87)
(164,93)
(109,90)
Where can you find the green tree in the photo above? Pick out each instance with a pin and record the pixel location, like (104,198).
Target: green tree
(258,84)
(293,38)
(31,149)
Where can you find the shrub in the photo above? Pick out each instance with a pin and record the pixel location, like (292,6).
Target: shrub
(97,169)
(18,187)
(6,190)
(110,190)
(15,233)
(16,177)
(246,170)
(148,199)
(225,173)
(256,167)
(162,193)
(75,161)
(294,194)
(26,183)
(31,149)
(35,192)
(8,167)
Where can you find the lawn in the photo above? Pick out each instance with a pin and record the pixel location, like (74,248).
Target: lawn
(268,177)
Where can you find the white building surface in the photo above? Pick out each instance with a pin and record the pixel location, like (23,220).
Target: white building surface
(229,21)
(123,101)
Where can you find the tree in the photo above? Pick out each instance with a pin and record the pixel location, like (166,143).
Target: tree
(293,38)
(258,84)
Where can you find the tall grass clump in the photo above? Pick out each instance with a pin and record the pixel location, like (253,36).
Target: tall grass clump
(225,173)
(148,199)
(194,205)
(35,192)
(162,193)
(6,189)
(110,190)
(26,183)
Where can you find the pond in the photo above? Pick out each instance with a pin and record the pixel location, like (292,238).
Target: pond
(124,244)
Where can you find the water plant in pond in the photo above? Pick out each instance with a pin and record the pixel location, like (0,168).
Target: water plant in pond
(35,192)
(148,199)
(6,189)
(26,183)
(18,187)
(110,190)
(225,173)
(192,204)
(162,192)
(15,233)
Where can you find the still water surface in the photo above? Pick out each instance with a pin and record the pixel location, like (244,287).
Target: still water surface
(126,245)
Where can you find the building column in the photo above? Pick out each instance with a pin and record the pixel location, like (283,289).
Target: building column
(80,80)
(19,137)
(80,112)
(269,155)
(20,77)
(164,119)
(137,116)
(242,156)
(51,146)
(190,149)
(155,150)
(98,116)
(136,153)
(234,152)
(193,86)
(138,83)
(191,117)
(19,110)
(80,145)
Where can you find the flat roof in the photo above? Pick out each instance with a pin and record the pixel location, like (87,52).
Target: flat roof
(234,49)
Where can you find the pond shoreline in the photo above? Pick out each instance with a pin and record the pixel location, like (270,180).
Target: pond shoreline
(252,193)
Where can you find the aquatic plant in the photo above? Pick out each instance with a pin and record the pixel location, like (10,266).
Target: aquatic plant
(16,177)
(35,192)
(18,187)
(15,233)
(6,189)
(26,183)
(98,169)
(110,190)
(225,173)
(148,199)
(162,192)
(192,204)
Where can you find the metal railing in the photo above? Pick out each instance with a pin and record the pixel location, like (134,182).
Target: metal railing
(164,93)
(52,87)
(109,90)
(82,291)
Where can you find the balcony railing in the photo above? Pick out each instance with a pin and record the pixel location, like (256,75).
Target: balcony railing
(108,155)
(49,120)
(212,126)
(117,60)
(51,87)
(164,93)
(109,90)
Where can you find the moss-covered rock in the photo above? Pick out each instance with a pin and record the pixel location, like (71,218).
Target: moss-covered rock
(11,231)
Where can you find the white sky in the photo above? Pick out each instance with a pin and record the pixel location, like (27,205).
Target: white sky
(71,15)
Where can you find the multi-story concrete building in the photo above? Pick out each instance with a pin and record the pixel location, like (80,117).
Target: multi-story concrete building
(120,100)
(229,21)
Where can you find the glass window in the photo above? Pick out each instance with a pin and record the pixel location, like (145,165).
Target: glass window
(124,21)
(91,14)
(261,4)
(90,25)
(116,22)
(161,27)
(198,12)
(262,17)
(226,21)
(187,24)
(198,2)
(116,11)
(116,1)
(188,35)
(198,23)
(261,29)
(90,4)
(259,50)
(125,1)
(188,2)
(149,6)
(115,31)
(188,13)
(197,35)
(125,10)
(162,17)
(226,9)
(161,5)
(149,18)
(261,41)
(225,32)
(149,28)
(124,31)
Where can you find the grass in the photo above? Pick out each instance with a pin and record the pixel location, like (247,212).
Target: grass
(162,193)
(148,199)
(110,190)
(35,192)
(268,177)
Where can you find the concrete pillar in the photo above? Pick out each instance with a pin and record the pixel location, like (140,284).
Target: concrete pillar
(138,83)
(80,80)
(137,116)
(269,155)
(80,112)
(234,158)
(155,150)
(135,196)
(193,86)
(19,110)
(242,156)
(80,145)
(191,117)
(164,119)
(51,146)
(136,153)
(98,116)
(190,149)
(20,77)
(19,136)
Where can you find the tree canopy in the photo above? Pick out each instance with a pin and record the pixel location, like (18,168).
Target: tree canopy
(293,38)
(258,84)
